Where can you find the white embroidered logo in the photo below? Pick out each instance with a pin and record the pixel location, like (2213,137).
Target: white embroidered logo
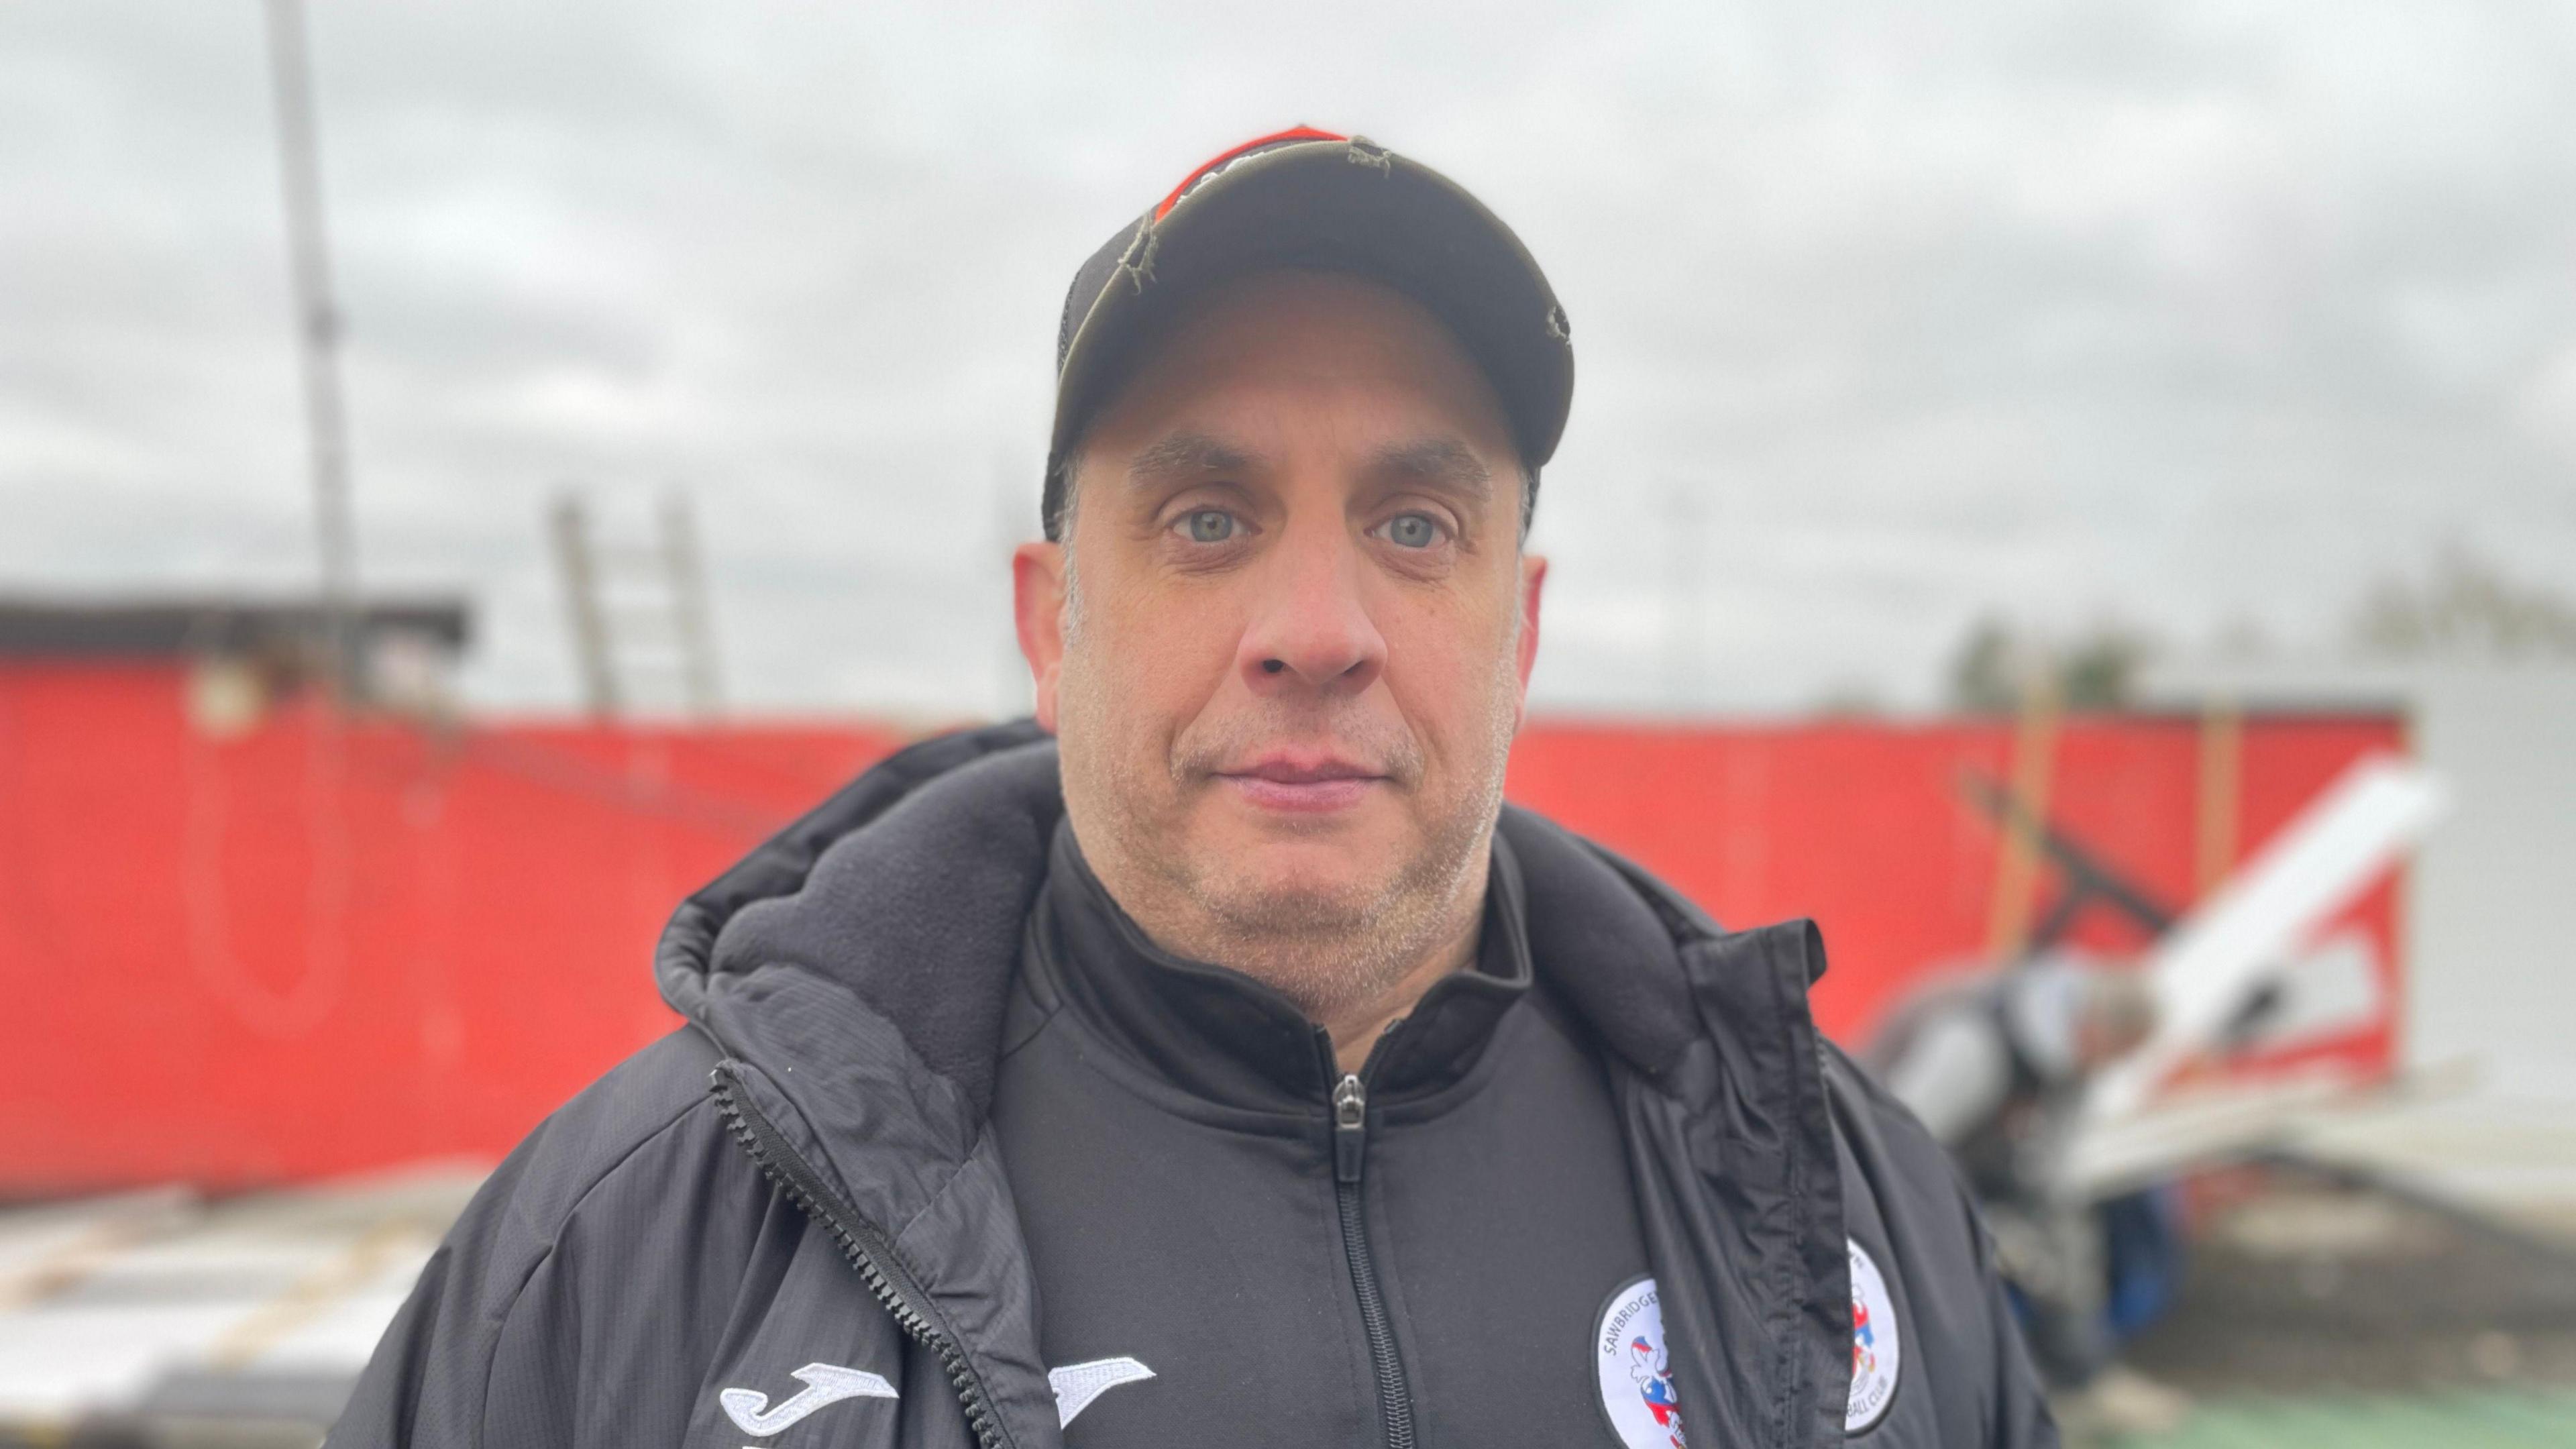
(1877,1355)
(1635,1369)
(825,1384)
(1077,1384)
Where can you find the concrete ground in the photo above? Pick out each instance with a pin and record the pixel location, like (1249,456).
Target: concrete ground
(2321,1310)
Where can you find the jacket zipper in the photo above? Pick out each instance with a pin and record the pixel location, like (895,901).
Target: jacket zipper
(1350,1152)
(865,1247)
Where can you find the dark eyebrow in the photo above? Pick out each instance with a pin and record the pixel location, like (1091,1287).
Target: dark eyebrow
(1184,457)
(1446,464)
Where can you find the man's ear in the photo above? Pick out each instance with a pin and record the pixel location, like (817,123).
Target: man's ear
(1037,607)
(1533,582)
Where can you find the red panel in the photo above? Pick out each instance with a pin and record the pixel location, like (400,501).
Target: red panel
(294,952)
(1862,827)
(230,968)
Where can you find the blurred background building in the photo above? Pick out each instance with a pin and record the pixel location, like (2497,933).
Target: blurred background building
(2123,420)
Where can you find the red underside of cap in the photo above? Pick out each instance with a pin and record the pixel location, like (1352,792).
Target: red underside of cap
(1293,133)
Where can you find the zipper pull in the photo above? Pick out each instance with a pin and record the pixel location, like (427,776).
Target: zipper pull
(1350,1127)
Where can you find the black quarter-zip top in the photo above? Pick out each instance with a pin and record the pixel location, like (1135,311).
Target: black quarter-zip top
(1303,1255)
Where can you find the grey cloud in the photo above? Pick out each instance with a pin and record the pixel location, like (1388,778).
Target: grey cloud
(2178,312)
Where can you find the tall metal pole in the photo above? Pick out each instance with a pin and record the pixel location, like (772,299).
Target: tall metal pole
(692,620)
(575,561)
(318,342)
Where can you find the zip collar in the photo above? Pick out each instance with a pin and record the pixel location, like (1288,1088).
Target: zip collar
(1223,1037)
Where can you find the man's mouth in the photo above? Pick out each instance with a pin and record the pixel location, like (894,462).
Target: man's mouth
(1296,782)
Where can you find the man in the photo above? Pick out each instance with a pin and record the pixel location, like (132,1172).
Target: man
(1996,1065)
(1233,1068)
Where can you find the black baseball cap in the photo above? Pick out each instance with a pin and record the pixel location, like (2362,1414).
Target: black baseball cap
(1309,198)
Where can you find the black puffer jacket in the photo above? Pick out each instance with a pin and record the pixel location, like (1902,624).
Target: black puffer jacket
(795,1201)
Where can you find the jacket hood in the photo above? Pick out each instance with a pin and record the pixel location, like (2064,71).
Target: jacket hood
(902,895)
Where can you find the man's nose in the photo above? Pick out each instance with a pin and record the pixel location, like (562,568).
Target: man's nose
(1310,628)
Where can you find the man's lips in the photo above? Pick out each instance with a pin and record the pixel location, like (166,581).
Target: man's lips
(1302,770)
(1302,783)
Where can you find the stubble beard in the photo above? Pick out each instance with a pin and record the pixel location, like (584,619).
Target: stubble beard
(1329,949)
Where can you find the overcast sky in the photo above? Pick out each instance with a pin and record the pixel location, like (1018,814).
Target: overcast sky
(1885,316)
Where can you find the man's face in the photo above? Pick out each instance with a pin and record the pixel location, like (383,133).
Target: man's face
(1285,642)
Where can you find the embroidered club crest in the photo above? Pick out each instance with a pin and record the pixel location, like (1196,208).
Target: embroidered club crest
(1876,1353)
(1635,1369)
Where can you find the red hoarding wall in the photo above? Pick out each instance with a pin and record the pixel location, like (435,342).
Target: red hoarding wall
(294,950)
(223,967)
(1862,826)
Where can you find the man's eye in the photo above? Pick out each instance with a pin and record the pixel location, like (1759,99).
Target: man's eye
(1208,525)
(1412,530)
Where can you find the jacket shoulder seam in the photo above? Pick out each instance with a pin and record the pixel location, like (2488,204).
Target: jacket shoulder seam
(554,1229)
(554,1233)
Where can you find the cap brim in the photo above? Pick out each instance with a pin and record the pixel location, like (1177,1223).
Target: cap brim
(1346,207)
